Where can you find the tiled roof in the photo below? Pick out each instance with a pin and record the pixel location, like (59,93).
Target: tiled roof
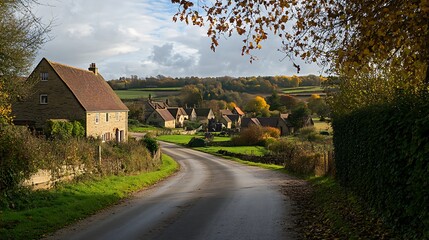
(246,122)
(175,111)
(165,114)
(202,112)
(239,111)
(189,111)
(225,112)
(234,117)
(226,118)
(269,121)
(91,90)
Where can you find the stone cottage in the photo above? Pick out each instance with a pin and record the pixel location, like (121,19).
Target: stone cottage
(65,92)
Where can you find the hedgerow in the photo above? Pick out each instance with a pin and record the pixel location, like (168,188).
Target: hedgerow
(382,154)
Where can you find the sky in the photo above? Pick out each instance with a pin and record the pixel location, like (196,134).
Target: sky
(138,37)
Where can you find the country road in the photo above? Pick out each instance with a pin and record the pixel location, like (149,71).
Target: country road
(210,198)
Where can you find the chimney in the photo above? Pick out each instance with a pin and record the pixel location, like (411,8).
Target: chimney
(93,68)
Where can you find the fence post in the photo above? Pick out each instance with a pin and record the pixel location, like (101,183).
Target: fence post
(99,156)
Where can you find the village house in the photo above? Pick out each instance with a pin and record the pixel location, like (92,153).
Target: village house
(276,122)
(150,106)
(65,92)
(192,115)
(237,110)
(226,121)
(234,117)
(180,115)
(204,115)
(161,118)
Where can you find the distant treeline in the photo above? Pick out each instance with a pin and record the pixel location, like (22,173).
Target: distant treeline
(259,84)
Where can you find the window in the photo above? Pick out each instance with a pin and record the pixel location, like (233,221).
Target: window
(43,98)
(106,137)
(107,117)
(44,76)
(97,118)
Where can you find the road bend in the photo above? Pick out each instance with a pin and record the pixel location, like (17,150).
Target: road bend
(210,198)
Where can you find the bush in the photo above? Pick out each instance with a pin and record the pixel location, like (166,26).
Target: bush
(381,154)
(23,154)
(20,156)
(300,157)
(255,135)
(197,142)
(63,129)
(151,144)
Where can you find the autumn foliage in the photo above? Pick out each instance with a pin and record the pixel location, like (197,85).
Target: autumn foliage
(255,135)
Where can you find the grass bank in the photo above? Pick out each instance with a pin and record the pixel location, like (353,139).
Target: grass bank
(49,210)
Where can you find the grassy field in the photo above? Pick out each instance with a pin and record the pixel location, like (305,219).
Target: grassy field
(49,210)
(184,139)
(166,89)
(143,128)
(306,89)
(137,93)
(249,150)
(321,125)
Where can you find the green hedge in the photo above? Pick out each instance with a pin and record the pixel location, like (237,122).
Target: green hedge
(382,154)
(64,129)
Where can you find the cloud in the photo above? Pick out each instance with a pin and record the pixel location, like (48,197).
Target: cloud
(138,37)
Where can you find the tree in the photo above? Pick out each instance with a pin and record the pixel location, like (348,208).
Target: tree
(290,102)
(274,101)
(299,117)
(318,105)
(258,106)
(191,95)
(355,35)
(21,36)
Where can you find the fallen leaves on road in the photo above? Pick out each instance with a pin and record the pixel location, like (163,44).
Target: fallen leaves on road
(326,212)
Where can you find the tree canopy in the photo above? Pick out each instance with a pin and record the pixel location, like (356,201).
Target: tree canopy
(345,36)
(21,36)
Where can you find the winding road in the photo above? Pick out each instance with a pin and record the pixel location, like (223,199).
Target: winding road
(210,198)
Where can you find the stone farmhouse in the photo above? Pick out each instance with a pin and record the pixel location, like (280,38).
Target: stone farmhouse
(179,114)
(65,92)
(161,117)
(204,115)
(281,122)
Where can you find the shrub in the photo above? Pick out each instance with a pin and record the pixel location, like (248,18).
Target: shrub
(309,134)
(197,142)
(63,129)
(299,156)
(271,132)
(151,144)
(255,135)
(20,156)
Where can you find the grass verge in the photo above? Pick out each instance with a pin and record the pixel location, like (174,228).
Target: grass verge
(184,139)
(49,210)
(249,150)
(328,211)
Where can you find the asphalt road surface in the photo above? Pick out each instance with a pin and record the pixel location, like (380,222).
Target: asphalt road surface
(210,198)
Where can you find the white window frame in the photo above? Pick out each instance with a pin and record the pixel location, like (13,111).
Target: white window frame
(43,99)
(44,76)
(97,118)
